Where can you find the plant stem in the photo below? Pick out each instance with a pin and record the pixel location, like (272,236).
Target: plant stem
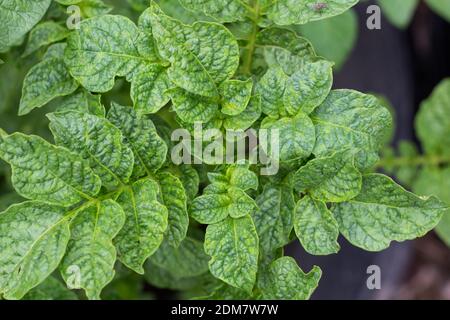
(248,58)
(422,160)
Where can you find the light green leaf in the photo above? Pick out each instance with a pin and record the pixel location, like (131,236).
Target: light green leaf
(173,196)
(221,10)
(90,257)
(188,260)
(240,176)
(140,134)
(33,240)
(145,224)
(296,136)
(82,101)
(333,38)
(105,47)
(191,107)
(18,17)
(441,7)
(201,55)
(246,118)
(433,122)
(351,120)
(92,8)
(44,82)
(149,89)
(308,87)
(189,178)
(284,48)
(384,212)
(55,50)
(236,95)
(272,88)
(316,227)
(44,34)
(50,289)
(274,216)
(233,247)
(289,282)
(96,140)
(329,179)
(399,12)
(47,173)
(286,12)
(213,208)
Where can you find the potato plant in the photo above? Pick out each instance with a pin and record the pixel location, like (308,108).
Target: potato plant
(101,204)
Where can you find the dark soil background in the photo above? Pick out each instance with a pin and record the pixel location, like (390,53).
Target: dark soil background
(404,66)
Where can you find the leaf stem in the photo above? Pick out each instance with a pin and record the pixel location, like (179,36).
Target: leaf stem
(248,58)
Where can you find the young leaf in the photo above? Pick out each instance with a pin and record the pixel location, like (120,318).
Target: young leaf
(47,173)
(286,12)
(236,95)
(233,247)
(201,55)
(272,88)
(96,140)
(90,251)
(246,118)
(145,224)
(149,89)
(329,179)
(241,177)
(316,227)
(105,47)
(384,212)
(191,107)
(296,136)
(18,17)
(44,34)
(274,216)
(289,282)
(140,134)
(44,82)
(173,196)
(33,242)
(351,120)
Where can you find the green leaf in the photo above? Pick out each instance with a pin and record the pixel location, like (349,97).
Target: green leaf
(289,282)
(189,178)
(140,134)
(213,208)
(384,212)
(348,119)
(145,224)
(188,260)
(233,247)
(221,10)
(433,122)
(271,88)
(82,101)
(286,12)
(284,48)
(149,89)
(55,50)
(44,34)
(96,140)
(47,173)
(316,227)
(33,240)
(173,196)
(246,118)
(274,216)
(50,289)
(329,179)
(105,47)
(236,95)
(201,55)
(91,255)
(399,12)
(296,136)
(441,7)
(191,107)
(44,82)
(333,38)
(18,17)
(308,87)
(240,176)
